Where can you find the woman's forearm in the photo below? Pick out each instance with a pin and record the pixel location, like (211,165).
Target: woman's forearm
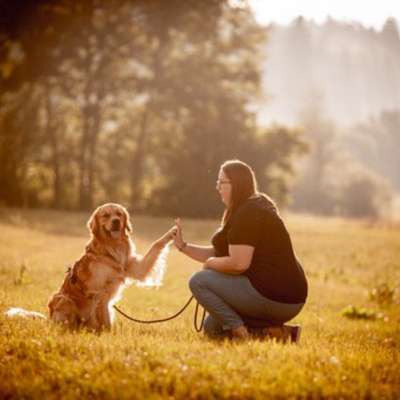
(198,253)
(223,264)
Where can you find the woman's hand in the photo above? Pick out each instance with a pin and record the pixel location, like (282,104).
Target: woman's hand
(208,261)
(178,237)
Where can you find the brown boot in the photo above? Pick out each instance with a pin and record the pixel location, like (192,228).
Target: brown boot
(295,332)
(284,333)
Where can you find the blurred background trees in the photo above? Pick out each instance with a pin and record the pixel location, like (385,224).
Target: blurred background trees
(339,176)
(132,101)
(140,101)
(340,81)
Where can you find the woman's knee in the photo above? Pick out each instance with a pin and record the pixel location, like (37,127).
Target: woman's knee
(199,280)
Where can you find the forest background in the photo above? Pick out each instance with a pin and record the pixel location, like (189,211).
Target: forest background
(139,102)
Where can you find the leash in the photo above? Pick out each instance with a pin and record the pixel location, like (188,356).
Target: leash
(154,321)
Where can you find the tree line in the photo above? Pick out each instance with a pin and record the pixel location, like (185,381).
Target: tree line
(354,67)
(340,81)
(133,101)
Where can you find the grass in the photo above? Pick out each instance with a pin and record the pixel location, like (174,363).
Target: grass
(338,357)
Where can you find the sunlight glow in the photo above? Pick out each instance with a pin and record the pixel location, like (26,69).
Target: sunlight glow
(370,13)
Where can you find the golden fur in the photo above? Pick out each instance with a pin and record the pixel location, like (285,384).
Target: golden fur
(96,280)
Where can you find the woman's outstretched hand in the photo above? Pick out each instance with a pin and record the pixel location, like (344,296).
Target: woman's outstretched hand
(178,237)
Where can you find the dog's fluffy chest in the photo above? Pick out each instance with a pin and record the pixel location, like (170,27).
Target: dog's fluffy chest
(119,255)
(104,275)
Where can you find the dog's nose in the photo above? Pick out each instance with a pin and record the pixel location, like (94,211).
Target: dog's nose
(115,223)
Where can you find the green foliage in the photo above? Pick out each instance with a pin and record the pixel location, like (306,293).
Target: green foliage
(375,143)
(354,312)
(192,192)
(384,294)
(364,194)
(333,182)
(137,102)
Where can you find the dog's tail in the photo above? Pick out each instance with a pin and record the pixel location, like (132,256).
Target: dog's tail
(16,312)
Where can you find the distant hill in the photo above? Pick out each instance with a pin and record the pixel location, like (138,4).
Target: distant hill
(352,71)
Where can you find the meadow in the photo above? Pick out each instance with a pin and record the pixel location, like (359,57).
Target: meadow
(344,352)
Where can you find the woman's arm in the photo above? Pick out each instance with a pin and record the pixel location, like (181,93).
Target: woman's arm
(236,263)
(198,253)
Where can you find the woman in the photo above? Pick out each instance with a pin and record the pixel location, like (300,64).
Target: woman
(251,276)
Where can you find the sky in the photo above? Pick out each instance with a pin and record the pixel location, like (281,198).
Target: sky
(371,13)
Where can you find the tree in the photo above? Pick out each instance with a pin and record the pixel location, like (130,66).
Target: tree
(135,100)
(375,144)
(309,192)
(334,182)
(18,120)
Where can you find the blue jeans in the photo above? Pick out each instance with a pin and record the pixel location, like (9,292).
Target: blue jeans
(231,301)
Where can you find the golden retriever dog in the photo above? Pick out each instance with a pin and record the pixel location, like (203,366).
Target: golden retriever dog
(94,283)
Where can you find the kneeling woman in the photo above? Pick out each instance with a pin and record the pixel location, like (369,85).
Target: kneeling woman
(251,277)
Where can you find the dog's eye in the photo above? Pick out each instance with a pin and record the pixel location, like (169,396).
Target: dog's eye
(119,213)
(106,215)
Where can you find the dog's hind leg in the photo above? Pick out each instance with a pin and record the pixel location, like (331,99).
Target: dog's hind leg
(102,316)
(63,310)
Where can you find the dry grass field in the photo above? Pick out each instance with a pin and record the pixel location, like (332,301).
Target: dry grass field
(342,354)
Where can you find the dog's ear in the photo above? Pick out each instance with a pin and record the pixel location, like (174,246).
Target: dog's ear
(93,224)
(127,220)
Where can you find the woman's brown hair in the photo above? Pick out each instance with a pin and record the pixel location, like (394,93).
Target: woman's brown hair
(243,183)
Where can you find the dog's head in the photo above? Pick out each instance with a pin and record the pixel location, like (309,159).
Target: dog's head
(110,221)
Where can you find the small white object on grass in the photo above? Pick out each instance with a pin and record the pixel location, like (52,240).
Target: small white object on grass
(20,312)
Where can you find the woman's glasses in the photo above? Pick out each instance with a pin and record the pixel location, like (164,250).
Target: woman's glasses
(221,182)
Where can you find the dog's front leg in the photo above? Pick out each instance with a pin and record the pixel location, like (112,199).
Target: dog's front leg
(140,266)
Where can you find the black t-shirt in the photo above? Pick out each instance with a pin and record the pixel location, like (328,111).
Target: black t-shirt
(274,270)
